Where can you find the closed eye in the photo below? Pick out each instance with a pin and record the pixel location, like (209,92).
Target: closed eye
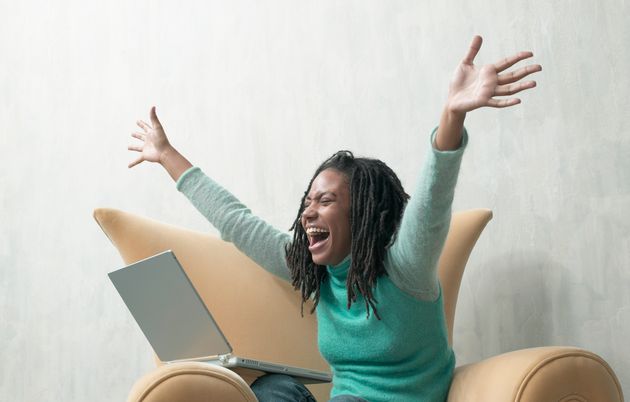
(322,199)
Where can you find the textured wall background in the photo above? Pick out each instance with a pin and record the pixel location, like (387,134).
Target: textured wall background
(258,94)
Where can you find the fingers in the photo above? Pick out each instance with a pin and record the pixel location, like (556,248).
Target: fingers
(135,162)
(475,45)
(511,89)
(136,148)
(154,119)
(510,61)
(142,136)
(500,103)
(513,76)
(144,126)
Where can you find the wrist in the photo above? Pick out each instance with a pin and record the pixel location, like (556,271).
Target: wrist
(449,135)
(452,113)
(174,162)
(168,152)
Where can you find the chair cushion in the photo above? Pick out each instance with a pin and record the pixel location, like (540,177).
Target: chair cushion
(191,382)
(553,373)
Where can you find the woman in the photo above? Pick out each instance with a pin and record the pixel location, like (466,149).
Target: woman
(368,260)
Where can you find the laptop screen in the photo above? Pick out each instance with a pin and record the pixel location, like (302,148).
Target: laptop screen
(168,309)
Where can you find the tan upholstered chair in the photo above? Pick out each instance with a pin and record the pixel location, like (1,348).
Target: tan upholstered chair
(260,315)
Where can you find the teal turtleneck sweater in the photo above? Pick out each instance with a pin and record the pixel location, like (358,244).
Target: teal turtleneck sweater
(403,357)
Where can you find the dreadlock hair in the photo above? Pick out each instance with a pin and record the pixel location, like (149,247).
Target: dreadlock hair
(377,204)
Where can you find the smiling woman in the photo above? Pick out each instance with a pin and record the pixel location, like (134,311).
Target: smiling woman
(367,258)
(351,210)
(325,215)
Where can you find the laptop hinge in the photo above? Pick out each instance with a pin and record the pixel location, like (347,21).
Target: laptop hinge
(225,358)
(222,358)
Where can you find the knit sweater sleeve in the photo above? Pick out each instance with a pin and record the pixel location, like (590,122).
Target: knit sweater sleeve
(411,262)
(257,239)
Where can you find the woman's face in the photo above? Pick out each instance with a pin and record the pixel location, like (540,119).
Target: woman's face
(326,218)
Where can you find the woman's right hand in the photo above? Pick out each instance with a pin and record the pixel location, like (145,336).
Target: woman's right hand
(156,148)
(155,144)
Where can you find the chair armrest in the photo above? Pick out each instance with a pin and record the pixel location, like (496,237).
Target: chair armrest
(537,375)
(191,382)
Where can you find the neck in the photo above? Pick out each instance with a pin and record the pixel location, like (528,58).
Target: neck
(341,264)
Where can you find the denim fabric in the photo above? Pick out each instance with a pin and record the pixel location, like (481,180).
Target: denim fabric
(280,388)
(347,398)
(284,388)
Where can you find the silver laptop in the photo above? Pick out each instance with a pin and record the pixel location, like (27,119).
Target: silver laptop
(177,323)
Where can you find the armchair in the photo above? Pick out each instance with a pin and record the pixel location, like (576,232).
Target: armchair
(270,326)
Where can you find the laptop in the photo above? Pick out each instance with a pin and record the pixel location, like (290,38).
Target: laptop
(176,322)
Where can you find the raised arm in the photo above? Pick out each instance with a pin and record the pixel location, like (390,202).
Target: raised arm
(412,259)
(253,236)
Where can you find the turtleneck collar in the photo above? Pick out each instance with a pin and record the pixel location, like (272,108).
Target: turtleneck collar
(340,271)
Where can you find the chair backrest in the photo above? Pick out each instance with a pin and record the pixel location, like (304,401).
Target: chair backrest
(466,227)
(259,313)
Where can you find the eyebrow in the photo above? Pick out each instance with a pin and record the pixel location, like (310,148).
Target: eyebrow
(320,194)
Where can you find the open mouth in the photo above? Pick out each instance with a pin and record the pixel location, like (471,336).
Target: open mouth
(316,238)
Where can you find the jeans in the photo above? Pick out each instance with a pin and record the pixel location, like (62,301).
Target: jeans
(284,388)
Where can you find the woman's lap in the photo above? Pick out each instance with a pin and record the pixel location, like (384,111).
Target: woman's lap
(347,398)
(284,388)
(280,388)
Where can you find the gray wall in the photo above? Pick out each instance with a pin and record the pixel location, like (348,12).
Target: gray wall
(258,94)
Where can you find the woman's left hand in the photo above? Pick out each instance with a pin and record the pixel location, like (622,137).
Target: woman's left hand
(473,87)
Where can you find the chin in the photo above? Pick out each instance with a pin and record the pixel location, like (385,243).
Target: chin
(321,260)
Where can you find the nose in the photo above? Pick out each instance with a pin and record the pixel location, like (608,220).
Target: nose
(309,212)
